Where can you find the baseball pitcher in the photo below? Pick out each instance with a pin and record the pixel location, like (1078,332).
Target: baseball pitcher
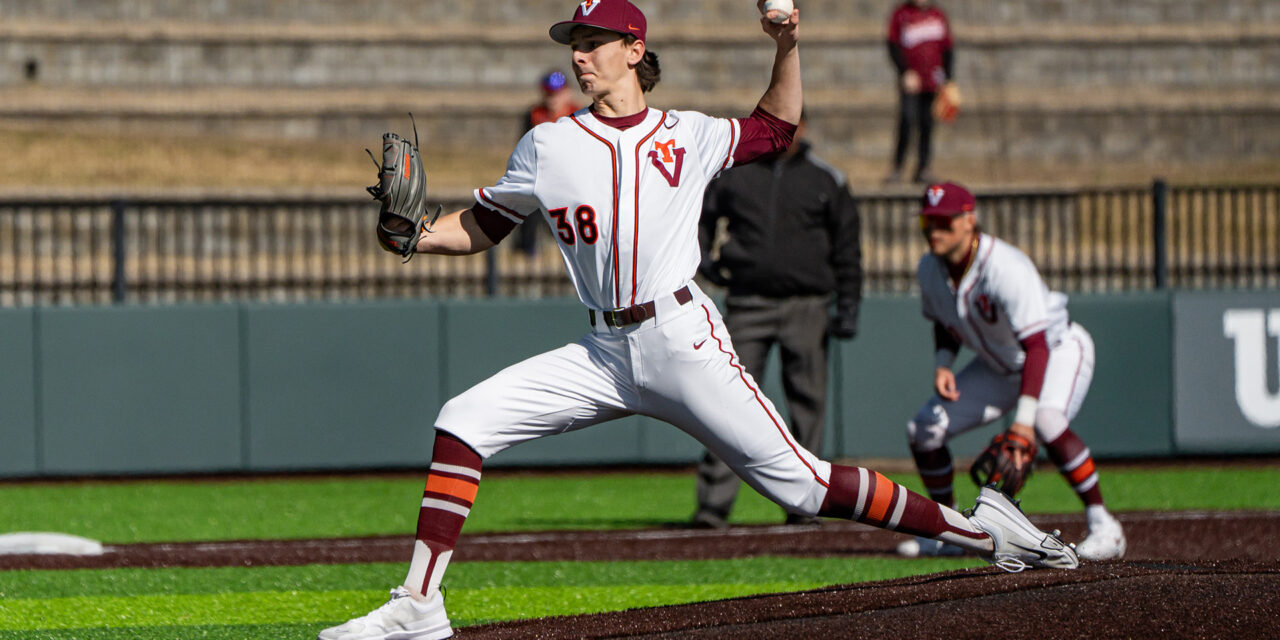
(621,185)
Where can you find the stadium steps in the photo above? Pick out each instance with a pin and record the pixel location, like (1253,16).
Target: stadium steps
(1073,82)
(658,12)
(1066,124)
(733,54)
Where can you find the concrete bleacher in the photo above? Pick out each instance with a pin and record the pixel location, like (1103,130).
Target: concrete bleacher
(1063,81)
(657,11)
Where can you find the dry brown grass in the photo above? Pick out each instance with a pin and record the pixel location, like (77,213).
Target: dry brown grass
(56,159)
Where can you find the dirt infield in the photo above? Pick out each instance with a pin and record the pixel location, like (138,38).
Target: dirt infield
(1187,574)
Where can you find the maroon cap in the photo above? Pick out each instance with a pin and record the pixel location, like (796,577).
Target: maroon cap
(612,15)
(947,199)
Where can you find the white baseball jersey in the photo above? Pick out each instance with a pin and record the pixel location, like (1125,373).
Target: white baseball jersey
(624,206)
(1000,301)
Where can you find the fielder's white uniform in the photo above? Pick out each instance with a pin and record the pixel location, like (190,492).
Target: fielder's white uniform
(1000,301)
(624,206)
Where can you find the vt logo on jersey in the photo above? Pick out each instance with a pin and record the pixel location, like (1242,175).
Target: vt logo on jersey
(935,195)
(668,160)
(986,309)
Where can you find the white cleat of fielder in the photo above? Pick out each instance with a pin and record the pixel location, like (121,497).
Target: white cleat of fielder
(401,618)
(1105,540)
(1018,543)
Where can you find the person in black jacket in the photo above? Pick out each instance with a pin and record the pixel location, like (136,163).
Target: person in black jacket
(793,244)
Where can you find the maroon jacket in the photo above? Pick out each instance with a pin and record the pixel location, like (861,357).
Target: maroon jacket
(920,39)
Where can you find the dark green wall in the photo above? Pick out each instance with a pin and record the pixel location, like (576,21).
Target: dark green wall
(18,449)
(1129,409)
(138,389)
(332,385)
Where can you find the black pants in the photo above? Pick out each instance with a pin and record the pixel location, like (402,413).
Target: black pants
(798,326)
(915,111)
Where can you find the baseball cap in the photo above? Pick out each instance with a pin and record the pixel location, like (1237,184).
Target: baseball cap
(612,15)
(553,82)
(947,199)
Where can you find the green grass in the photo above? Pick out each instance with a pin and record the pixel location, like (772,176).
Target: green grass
(210,632)
(154,511)
(294,602)
(478,592)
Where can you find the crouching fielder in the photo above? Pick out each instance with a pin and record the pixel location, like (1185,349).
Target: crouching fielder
(983,293)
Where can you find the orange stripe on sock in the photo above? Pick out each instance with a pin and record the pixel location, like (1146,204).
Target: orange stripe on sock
(452,487)
(880,499)
(1082,472)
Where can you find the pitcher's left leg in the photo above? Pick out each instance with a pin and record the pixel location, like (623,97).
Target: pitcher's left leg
(712,398)
(708,394)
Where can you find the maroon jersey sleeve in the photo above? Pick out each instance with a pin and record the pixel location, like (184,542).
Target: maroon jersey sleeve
(763,134)
(1037,361)
(895,28)
(494,225)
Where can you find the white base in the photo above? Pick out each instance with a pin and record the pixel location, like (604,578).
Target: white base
(54,543)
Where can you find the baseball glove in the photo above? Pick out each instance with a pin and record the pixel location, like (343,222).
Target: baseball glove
(997,464)
(402,189)
(947,105)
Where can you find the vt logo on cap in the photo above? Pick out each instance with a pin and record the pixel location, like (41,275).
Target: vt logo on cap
(619,16)
(947,199)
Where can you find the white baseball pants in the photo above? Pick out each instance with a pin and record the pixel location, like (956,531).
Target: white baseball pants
(986,395)
(678,367)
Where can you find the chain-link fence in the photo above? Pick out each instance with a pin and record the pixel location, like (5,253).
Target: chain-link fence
(85,251)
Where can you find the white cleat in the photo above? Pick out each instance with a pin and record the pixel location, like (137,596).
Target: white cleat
(918,547)
(1018,543)
(1105,540)
(401,618)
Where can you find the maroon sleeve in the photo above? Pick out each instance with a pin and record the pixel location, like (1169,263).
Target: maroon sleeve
(494,225)
(1037,361)
(763,134)
(895,30)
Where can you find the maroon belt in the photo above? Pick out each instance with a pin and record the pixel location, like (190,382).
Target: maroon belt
(637,313)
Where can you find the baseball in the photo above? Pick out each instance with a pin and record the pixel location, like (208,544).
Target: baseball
(783,7)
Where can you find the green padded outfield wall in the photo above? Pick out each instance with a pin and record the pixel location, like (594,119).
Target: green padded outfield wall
(18,447)
(190,388)
(340,385)
(139,389)
(1129,409)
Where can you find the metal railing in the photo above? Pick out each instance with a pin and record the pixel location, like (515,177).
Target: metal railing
(60,251)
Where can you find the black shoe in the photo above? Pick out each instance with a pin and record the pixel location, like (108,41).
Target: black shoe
(703,520)
(793,519)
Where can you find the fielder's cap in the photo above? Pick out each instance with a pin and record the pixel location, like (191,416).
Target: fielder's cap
(553,82)
(611,15)
(947,199)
